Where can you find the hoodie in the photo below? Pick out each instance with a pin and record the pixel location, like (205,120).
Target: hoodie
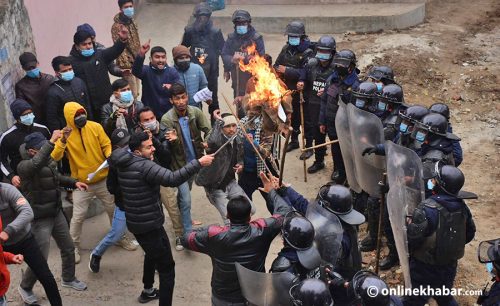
(86,148)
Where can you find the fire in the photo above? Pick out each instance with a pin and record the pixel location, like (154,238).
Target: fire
(268,87)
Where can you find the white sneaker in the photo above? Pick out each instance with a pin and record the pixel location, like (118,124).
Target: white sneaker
(75,284)
(27,296)
(77,256)
(178,244)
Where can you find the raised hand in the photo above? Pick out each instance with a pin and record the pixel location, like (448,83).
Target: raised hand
(145,48)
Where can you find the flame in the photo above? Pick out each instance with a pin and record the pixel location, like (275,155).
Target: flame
(268,88)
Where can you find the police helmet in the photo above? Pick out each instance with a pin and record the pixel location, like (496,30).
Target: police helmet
(344,58)
(241,16)
(449,178)
(489,252)
(408,117)
(382,73)
(202,9)
(338,200)
(440,108)
(295,28)
(364,94)
(298,232)
(393,93)
(326,43)
(369,288)
(311,292)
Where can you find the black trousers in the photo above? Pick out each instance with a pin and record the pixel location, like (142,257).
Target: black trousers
(249,182)
(156,246)
(213,85)
(313,135)
(296,116)
(37,263)
(338,162)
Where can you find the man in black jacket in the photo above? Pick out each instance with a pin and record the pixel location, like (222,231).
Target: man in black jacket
(243,241)
(91,66)
(65,88)
(139,179)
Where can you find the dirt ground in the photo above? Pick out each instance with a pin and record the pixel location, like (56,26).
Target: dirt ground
(453,57)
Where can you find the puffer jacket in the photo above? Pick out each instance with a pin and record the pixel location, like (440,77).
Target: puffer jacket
(86,148)
(194,80)
(139,180)
(246,244)
(40,181)
(126,59)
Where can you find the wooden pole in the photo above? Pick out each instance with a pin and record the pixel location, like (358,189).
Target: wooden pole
(380,225)
(320,145)
(283,156)
(303,132)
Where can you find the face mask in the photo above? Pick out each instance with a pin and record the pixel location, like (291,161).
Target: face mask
(151,125)
(81,121)
(403,127)
(342,71)
(360,103)
(129,12)
(420,137)
(381,106)
(293,41)
(67,76)
(379,87)
(33,73)
(27,119)
(489,268)
(323,56)
(126,96)
(183,65)
(242,29)
(88,52)
(430,185)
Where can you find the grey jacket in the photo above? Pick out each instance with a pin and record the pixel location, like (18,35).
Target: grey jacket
(16,214)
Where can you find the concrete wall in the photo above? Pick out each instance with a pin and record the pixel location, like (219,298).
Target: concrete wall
(16,37)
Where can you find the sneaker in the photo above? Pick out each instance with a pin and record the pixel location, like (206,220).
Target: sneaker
(178,244)
(316,167)
(147,297)
(77,256)
(27,296)
(75,284)
(306,154)
(94,263)
(127,244)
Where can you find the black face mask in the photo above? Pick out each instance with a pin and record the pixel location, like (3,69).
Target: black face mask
(342,71)
(183,65)
(81,121)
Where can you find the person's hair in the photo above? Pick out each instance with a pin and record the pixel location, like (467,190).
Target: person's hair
(60,60)
(118,84)
(121,3)
(158,49)
(224,115)
(143,110)
(269,59)
(136,140)
(81,36)
(177,89)
(239,209)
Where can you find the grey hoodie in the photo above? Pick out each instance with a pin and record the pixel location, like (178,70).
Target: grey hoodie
(16,214)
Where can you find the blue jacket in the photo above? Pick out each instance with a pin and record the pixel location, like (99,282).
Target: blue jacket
(458,153)
(236,42)
(336,89)
(153,93)
(194,80)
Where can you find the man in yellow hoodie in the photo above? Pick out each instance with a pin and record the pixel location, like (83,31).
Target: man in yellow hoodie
(86,146)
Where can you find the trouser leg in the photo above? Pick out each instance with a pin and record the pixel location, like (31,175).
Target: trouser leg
(168,197)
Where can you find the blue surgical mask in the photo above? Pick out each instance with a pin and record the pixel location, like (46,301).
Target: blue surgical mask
(242,29)
(381,106)
(129,12)
(88,52)
(323,56)
(489,268)
(33,73)
(403,127)
(293,41)
(420,137)
(430,185)
(360,103)
(126,96)
(27,119)
(379,87)
(68,75)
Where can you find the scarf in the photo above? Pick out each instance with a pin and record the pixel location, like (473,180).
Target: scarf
(121,122)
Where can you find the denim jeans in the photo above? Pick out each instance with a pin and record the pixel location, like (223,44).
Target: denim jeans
(219,198)
(184,201)
(3,300)
(118,229)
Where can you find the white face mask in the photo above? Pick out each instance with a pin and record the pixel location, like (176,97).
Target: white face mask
(152,125)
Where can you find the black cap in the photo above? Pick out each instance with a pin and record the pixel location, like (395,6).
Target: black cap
(28,60)
(34,140)
(120,137)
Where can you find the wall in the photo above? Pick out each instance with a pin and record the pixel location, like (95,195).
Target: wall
(16,37)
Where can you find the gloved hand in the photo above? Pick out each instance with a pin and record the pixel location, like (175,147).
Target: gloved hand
(335,280)
(369,150)
(383,188)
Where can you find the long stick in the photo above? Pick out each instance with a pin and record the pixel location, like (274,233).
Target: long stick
(320,145)
(303,131)
(283,156)
(231,138)
(243,130)
(380,225)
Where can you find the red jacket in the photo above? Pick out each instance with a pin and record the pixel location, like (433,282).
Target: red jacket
(5,259)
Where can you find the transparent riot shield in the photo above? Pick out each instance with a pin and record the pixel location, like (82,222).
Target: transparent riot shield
(366,131)
(327,232)
(344,136)
(406,191)
(265,289)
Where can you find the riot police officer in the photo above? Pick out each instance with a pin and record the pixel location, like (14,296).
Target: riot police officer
(299,256)
(489,254)
(381,76)
(318,69)
(343,80)
(235,49)
(205,42)
(438,231)
(364,97)
(443,109)
(290,66)
(405,123)
(311,292)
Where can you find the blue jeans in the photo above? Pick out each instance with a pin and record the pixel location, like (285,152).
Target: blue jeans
(3,300)
(118,229)
(184,201)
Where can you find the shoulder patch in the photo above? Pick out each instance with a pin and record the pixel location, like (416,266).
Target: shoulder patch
(21,201)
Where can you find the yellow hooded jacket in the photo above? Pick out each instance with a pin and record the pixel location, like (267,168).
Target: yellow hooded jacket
(86,148)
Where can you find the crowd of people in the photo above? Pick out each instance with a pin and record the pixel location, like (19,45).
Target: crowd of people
(77,133)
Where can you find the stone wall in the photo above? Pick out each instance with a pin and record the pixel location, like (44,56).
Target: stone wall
(16,38)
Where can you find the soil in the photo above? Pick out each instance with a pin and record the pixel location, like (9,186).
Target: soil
(453,57)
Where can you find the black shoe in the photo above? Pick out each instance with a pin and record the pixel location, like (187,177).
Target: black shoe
(316,167)
(339,177)
(306,154)
(147,297)
(292,145)
(389,262)
(94,263)
(368,244)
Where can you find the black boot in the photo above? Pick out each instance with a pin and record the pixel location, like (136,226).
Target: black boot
(339,177)
(306,154)
(292,145)
(368,244)
(391,260)
(318,165)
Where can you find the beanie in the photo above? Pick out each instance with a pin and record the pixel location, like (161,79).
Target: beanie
(18,107)
(179,51)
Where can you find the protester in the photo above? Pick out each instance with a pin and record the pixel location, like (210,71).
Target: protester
(6,258)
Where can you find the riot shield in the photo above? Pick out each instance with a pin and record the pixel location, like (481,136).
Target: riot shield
(344,136)
(265,289)
(404,175)
(366,131)
(327,232)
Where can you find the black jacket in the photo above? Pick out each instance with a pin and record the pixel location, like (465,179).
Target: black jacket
(139,180)
(93,70)
(246,244)
(11,141)
(40,181)
(34,92)
(58,94)
(162,154)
